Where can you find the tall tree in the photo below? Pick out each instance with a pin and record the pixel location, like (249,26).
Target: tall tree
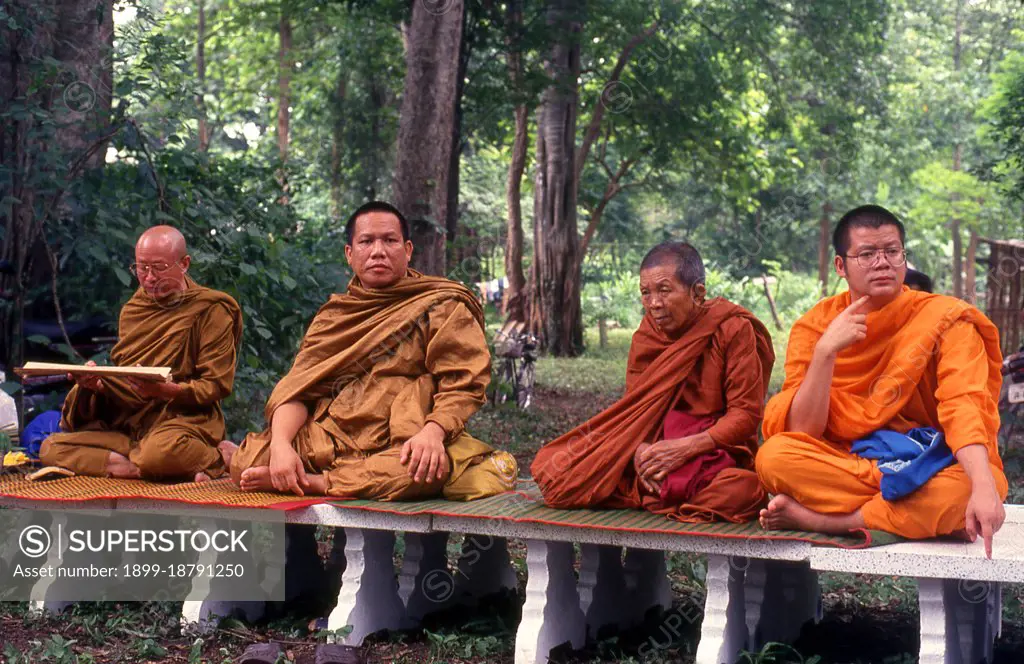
(556,240)
(204,129)
(514,304)
(56,77)
(285,65)
(424,159)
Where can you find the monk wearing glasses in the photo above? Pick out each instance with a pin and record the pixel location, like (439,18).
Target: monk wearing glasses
(117,427)
(888,415)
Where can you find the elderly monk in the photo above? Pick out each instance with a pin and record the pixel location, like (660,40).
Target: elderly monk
(681,441)
(127,428)
(884,358)
(375,403)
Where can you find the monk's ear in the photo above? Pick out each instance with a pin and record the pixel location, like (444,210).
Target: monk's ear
(840,266)
(185,262)
(699,291)
(348,254)
(408,250)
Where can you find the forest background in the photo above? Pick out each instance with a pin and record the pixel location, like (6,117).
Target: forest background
(550,142)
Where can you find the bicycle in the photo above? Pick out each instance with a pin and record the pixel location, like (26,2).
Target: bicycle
(518,351)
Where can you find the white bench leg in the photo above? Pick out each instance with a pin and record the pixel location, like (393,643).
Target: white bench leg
(484,568)
(723,632)
(959,620)
(368,601)
(647,583)
(424,583)
(41,593)
(602,587)
(551,613)
(200,614)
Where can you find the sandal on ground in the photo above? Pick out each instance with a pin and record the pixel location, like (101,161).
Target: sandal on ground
(261,653)
(335,653)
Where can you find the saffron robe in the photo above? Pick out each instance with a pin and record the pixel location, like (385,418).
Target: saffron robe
(720,367)
(374,367)
(196,333)
(928,360)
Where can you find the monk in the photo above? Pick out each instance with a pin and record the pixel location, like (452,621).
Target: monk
(126,428)
(377,399)
(871,363)
(681,441)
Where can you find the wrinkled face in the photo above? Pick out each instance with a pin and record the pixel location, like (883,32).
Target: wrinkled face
(160,267)
(378,254)
(670,303)
(875,277)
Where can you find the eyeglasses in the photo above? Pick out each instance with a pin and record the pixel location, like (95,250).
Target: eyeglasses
(145,268)
(869,257)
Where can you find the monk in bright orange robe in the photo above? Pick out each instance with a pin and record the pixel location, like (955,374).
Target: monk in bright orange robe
(681,441)
(130,429)
(882,356)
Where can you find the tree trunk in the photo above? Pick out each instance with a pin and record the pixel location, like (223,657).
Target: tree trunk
(284,82)
(457,254)
(824,240)
(514,304)
(972,252)
(204,130)
(954,224)
(425,130)
(557,242)
(372,174)
(338,143)
(69,122)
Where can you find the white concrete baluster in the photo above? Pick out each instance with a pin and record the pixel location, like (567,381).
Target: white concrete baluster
(938,633)
(723,632)
(424,583)
(368,601)
(551,613)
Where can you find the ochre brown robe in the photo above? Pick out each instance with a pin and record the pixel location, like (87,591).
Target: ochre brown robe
(928,361)
(719,367)
(374,367)
(196,334)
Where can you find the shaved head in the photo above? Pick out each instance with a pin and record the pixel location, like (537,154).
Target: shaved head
(161,261)
(167,238)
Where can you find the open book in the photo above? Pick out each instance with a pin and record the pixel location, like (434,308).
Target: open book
(156,374)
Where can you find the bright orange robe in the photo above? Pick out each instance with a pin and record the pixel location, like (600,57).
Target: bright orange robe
(928,360)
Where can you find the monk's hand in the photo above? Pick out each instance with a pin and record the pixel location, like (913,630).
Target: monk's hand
(649,485)
(985,514)
(286,471)
(425,454)
(88,381)
(148,389)
(663,457)
(846,329)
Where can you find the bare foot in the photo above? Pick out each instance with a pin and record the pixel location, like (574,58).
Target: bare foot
(119,466)
(257,478)
(785,513)
(201,477)
(227,451)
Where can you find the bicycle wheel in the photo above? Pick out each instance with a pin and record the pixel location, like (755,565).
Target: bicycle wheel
(524,391)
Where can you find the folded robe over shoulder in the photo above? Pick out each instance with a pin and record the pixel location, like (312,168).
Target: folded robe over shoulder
(592,465)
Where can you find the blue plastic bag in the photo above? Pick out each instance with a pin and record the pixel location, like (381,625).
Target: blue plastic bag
(41,426)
